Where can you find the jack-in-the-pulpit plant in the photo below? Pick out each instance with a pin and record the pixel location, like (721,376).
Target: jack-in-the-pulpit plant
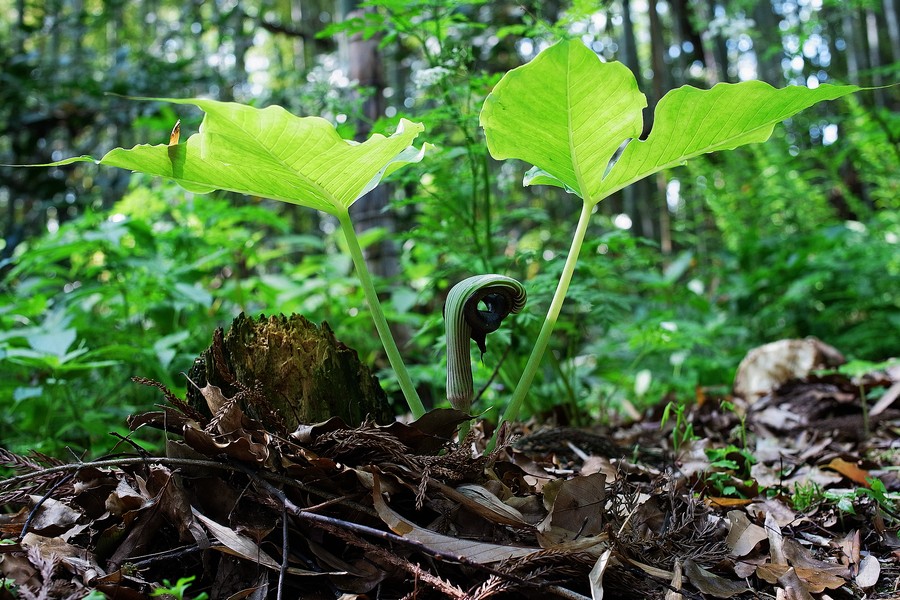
(465,320)
(569,114)
(573,117)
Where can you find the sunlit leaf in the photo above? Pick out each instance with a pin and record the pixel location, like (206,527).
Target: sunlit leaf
(567,113)
(273,154)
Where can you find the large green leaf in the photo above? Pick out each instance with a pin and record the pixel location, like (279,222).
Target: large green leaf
(566,112)
(274,154)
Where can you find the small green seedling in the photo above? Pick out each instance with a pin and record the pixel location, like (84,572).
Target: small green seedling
(806,495)
(726,463)
(178,590)
(573,117)
(683,430)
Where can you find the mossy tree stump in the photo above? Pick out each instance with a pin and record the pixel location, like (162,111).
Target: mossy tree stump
(305,374)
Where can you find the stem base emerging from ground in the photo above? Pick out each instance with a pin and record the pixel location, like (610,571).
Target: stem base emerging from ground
(381,325)
(543,339)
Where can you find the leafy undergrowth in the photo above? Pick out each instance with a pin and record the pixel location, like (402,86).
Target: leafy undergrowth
(790,497)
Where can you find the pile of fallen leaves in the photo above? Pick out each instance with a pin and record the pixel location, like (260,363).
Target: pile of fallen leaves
(792,496)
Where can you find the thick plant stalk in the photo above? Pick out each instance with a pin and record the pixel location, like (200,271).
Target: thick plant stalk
(381,325)
(464,321)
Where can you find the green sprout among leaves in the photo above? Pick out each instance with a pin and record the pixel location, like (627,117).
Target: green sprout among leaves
(573,117)
(178,590)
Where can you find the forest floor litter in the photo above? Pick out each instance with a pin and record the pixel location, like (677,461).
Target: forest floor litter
(792,495)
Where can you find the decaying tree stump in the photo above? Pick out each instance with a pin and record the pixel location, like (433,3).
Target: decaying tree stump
(303,371)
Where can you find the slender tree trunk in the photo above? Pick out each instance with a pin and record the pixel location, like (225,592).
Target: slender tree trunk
(370,211)
(714,49)
(874,55)
(892,20)
(767,44)
(689,39)
(661,77)
(656,191)
(20,33)
(632,195)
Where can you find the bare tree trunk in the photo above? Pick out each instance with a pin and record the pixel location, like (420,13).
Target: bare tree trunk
(689,39)
(633,194)
(767,44)
(714,49)
(892,19)
(855,52)
(370,211)
(656,192)
(874,56)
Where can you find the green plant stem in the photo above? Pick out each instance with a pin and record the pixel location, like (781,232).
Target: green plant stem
(543,339)
(384,332)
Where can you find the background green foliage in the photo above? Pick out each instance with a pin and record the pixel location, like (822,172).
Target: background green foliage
(105,276)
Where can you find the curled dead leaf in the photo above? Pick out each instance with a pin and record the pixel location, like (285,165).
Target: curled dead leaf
(596,575)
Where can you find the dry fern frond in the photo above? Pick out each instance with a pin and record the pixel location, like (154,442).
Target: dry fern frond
(185,408)
(22,465)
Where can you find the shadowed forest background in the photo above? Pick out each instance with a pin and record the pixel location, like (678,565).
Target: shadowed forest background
(106,275)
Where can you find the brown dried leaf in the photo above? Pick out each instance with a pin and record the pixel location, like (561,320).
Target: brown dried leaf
(770,572)
(479,552)
(743,536)
(769,476)
(123,499)
(725,502)
(801,558)
(776,541)
(227,415)
(650,569)
(849,546)
(813,575)
(482,502)
(431,431)
(849,470)
(782,514)
(766,367)
(167,419)
(18,569)
(676,583)
(53,517)
(78,559)
(237,544)
(307,433)
(792,587)
(239,444)
(576,511)
(712,584)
